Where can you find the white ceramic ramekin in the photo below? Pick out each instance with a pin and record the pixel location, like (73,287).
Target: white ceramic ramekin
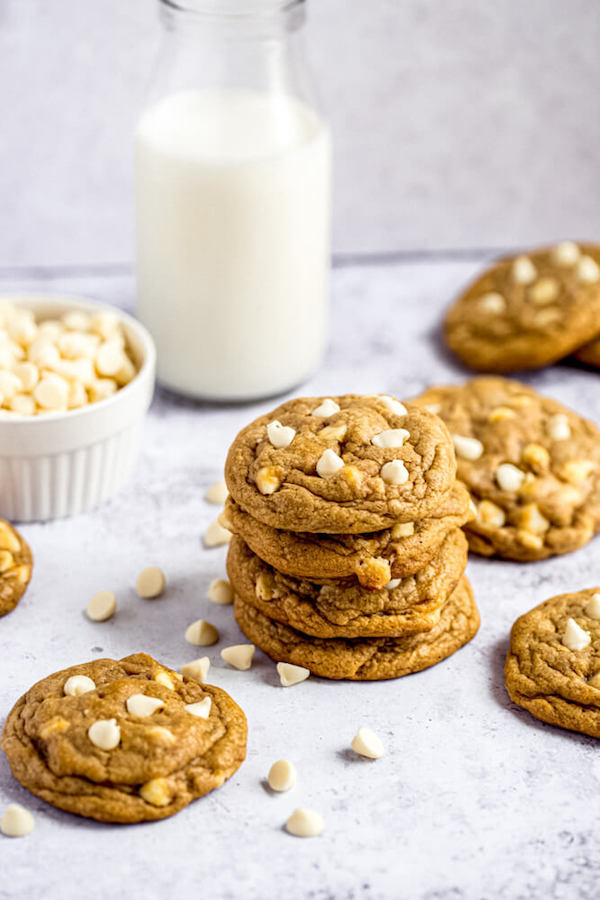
(60,464)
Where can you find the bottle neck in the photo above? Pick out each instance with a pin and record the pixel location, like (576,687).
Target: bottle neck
(223,20)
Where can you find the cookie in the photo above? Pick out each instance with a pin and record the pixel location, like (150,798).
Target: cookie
(590,353)
(346,465)
(366,659)
(332,608)
(16,563)
(374,558)
(532,467)
(525,312)
(553,665)
(107,756)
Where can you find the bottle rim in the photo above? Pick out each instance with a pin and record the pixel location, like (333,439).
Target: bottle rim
(232,9)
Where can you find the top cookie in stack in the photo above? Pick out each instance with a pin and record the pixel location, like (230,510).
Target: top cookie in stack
(359,495)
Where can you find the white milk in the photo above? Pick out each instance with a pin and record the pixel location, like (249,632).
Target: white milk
(233,240)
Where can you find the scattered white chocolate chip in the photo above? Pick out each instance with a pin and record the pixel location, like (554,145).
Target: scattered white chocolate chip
(268,479)
(575,638)
(16,821)
(201,633)
(329,463)
(197,669)
(328,407)
(559,428)
(217,493)
(566,253)
(105,734)
(201,709)
(367,743)
(305,823)
(142,705)
(215,535)
(392,405)
(509,477)
(150,582)
(523,270)
(393,437)
(239,656)
(544,291)
(282,775)
(392,584)
(492,302)
(290,674)
(156,792)
(102,606)
(78,684)
(280,436)
(593,607)
(403,529)
(394,472)
(220,592)
(588,270)
(165,679)
(467,447)
(433,408)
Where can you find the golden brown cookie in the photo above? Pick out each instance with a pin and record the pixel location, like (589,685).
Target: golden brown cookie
(532,467)
(366,659)
(341,465)
(16,563)
(108,756)
(342,607)
(373,558)
(590,353)
(529,310)
(553,665)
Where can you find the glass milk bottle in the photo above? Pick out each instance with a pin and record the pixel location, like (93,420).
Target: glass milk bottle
(233,196)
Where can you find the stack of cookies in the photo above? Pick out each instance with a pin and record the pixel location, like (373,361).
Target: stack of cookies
(347,555)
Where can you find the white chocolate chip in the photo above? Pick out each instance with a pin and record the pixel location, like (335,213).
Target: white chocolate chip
(467,447)
(215,535)
(201,633)
(201,709)
(102,389)
(305,823)
(239,656)
(403,529)
(51,392)
(110,358)
(220,592)
(102,606)
(492,302)
(593,607)
(575,638)
(367,743)
(393,584)
(22,404)
(105,734)
(392,405)
(559,428)
(150,582)
(566,253)
(393,437)
(327,407)
(394,472)
(9,385)
(217,493)
(290,674)
(165,679)
(282,775)
(16,821)
(76,320)
(280,435)
(142,705)
(509,477)
(156,792)
(78,684)
(588,270)
(329,463)
(28,375)
(523,270)
(544,291)
(197,669)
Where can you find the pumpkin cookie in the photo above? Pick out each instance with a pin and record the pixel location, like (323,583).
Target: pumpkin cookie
(366,659)
(553,665)
(373,558)
(123,740)
(527,311)
(343,608)
(532,467)
(345,465)
(590,353)
(16,563)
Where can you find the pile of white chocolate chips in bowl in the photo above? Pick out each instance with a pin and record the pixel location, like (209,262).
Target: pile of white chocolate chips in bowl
(58,364)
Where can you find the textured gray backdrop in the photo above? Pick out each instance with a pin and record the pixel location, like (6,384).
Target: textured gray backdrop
(457,125)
